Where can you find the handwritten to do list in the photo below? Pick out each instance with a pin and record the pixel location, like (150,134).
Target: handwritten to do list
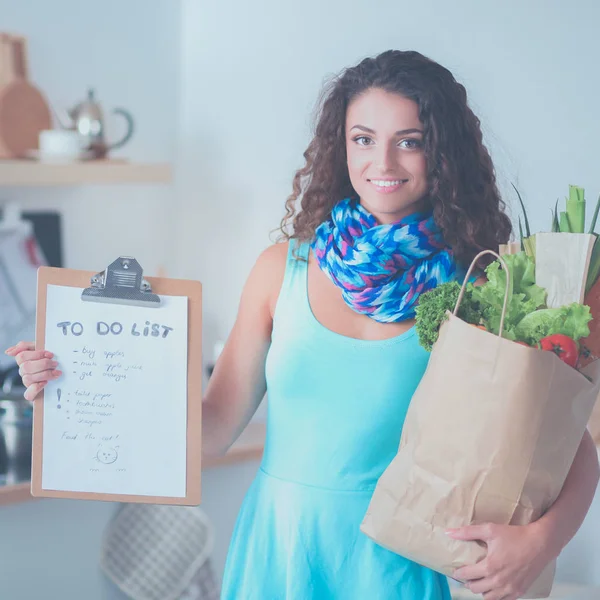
(115,421)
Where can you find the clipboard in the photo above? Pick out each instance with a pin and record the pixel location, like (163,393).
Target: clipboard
(122,285)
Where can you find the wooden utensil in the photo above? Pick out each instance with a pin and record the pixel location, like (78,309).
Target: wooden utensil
(24,111)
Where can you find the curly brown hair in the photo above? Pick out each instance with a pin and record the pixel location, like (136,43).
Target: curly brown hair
(462,183)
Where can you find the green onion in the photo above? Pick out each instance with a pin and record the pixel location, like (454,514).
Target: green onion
(524,211)
(555,222)
(595,217)
(565,223)
(529,244)
(521,236)
(576,209)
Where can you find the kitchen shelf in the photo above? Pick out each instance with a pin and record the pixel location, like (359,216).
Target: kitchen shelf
(249,446)
(18,492)
(36,174)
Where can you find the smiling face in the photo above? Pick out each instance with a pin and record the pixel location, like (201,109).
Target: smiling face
(385,154)
(107,455)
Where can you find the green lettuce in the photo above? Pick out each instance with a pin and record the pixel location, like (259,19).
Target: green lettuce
(525,296)
(571,320)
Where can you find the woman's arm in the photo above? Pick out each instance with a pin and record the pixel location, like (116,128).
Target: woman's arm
(237,384)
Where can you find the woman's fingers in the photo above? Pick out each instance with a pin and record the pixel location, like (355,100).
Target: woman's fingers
(20,347)
(36,367)
(33,390)
(44,376)
(33,362)
(36,374)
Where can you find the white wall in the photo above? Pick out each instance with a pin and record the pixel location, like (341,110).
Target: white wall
(252,73)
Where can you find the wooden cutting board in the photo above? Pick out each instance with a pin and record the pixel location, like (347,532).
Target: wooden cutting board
(24,112)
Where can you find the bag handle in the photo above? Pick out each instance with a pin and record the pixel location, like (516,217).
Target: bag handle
(464,286)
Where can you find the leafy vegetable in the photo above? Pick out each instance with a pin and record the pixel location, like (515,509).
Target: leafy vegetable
(432,307)
(524,297)
(528,319)
(571,320)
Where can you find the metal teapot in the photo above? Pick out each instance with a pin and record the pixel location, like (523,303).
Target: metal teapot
(87,118)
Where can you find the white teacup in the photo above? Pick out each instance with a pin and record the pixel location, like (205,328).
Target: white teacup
(60,145)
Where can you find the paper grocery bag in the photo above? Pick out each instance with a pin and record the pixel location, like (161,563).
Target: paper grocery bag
(594,423)
(490,435)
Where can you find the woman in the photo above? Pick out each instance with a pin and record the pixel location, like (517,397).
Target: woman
(398,194)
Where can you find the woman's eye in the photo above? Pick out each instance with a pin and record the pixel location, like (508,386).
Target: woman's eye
(362,140)
(411,143)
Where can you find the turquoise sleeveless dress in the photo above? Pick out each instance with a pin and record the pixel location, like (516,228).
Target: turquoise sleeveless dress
(336,406)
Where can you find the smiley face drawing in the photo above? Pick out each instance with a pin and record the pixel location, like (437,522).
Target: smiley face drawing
(107,454)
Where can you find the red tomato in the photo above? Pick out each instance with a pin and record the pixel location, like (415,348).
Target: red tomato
(563,346)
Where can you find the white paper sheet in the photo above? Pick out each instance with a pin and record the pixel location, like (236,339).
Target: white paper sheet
(115,421)
(562,261)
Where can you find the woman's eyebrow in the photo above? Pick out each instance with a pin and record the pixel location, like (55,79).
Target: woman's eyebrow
(401,132)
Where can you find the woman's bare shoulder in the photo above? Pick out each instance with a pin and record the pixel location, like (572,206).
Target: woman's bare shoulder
(275,253)
(271,261)
(269,271)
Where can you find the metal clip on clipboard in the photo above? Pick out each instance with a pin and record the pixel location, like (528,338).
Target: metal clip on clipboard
(121,283)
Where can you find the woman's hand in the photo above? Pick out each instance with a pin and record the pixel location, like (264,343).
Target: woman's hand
(36,367)
(516,556)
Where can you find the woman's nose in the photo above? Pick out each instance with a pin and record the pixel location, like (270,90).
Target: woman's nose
(386,158)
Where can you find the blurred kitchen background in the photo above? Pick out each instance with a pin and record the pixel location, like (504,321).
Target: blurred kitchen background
(221,96)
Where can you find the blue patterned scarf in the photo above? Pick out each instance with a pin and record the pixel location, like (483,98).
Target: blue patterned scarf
(382,269)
